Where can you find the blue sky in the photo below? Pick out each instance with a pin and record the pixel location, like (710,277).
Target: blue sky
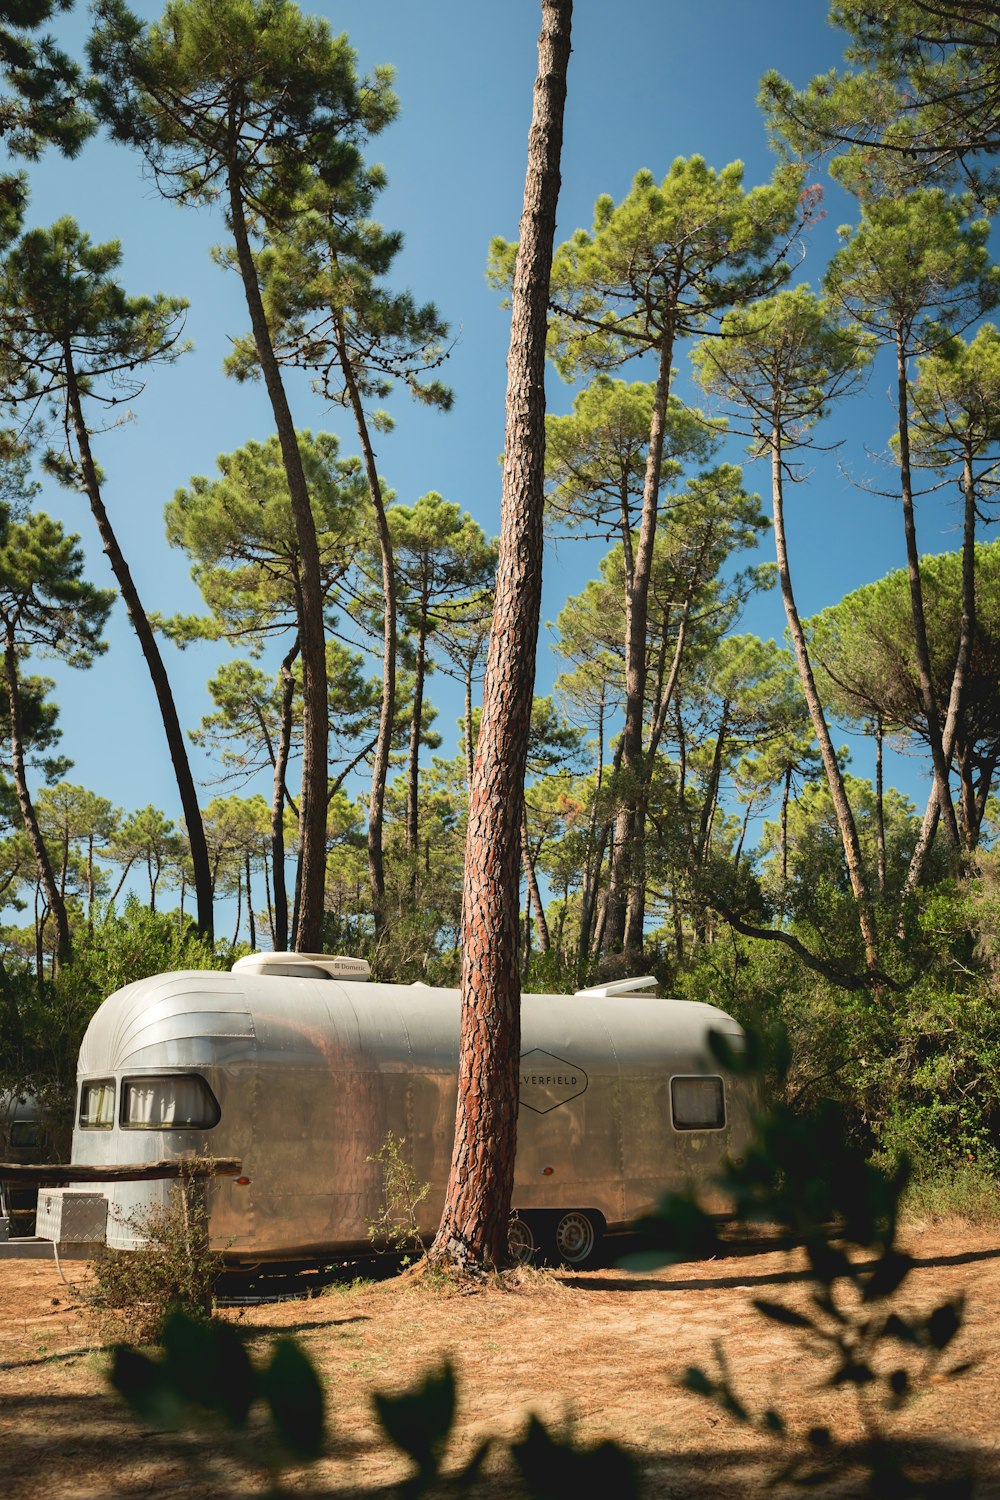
(648,82)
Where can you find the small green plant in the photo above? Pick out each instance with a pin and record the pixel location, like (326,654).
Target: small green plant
(175,1268)
(396,1225)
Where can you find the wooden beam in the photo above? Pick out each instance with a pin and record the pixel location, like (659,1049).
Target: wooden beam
(68,1173)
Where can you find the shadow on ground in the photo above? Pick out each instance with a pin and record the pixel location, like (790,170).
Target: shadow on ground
(83,1444)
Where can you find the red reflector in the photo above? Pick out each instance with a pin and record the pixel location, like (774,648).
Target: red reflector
(242,1182)
(547,1171)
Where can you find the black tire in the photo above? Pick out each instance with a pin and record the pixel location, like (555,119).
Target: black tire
(576,1239)
(522,1241)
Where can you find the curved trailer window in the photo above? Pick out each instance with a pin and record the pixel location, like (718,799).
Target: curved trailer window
(97,1104)
(168,1101)
(698,1103)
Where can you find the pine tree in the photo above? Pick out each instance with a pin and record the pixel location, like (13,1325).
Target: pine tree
(780,363)
(46,604)
(246,100)
(653,269)
(75,339)
(474,1223)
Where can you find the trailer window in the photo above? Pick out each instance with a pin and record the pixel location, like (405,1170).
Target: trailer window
(698,1103)
(97,1104)
(25,1134)
(173,1101)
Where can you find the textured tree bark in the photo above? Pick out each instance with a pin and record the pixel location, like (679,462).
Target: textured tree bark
(473,1229)
(151,654)
(46,875)
(311,877)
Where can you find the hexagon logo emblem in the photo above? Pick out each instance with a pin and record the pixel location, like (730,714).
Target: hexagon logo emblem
(547,1081)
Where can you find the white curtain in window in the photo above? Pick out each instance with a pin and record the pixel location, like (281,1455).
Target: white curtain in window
(97,1105)
(168,1103)
(698,1103)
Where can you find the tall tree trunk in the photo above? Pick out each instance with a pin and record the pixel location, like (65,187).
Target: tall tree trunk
(387,715)
(786,793)
(90,883)
(622,876)
(593,860)
(880,802)
(469,747)
(64,861)
(413,769)
(280,923)
(636,919)
(46,875)
(117,890)
(151,655)
(835,781)
(39,938)
(250,920)
(924,669)
(987,770)
(270,906)
(535,895)
(712,793)
(738,855)
(311,877)
(963,658)
(473,1229)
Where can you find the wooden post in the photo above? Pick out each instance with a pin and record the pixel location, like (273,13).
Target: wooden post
(67,1174)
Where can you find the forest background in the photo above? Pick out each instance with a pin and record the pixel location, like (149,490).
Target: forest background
(741,835)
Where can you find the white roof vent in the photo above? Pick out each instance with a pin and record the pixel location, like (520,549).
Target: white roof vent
(620,987)
(303,966)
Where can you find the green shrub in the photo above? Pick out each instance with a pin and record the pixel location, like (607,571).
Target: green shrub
(138,1289)
(969,1192)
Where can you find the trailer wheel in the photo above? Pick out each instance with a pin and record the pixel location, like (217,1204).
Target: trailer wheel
(521,1242)
(577,1237)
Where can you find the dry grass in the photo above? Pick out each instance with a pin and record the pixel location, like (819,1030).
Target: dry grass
(603,1349)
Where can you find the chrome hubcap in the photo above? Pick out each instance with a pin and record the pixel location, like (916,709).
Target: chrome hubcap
(575,1237)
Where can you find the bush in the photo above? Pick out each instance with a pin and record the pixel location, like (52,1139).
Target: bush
(138,1289)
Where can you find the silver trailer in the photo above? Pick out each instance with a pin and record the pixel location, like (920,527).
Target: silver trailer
(24,1140)
(300,1067)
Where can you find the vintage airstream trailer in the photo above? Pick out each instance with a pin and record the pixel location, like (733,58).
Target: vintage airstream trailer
(300,1067)
(25,1141)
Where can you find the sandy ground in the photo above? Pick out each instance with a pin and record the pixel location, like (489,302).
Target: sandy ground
(603,1350)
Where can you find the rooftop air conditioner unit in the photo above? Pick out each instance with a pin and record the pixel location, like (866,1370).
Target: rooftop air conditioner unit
(620,987)
(304,966)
